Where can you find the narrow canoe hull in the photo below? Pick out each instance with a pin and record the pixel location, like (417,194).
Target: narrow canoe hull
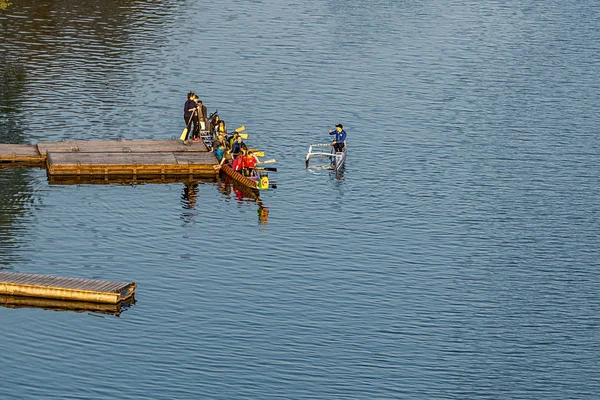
(249,182)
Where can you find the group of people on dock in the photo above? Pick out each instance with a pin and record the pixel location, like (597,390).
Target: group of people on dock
(229,149)
(195,115)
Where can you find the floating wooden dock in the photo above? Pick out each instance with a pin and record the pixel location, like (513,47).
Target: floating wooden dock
(119,158)
(61,288)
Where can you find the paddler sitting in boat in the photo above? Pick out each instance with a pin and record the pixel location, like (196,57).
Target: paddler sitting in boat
(220,140)
(232,139)
(340,137)
(220,151)
(227,158)
(217,125)
(250,161)
(213,123)
(238,164)
(236,148)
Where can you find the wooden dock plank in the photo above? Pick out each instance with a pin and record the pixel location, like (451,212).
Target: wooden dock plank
(64,288)
(44,147)
(139,146)
(20,153)
(79,158)
(207,158)
(120,146)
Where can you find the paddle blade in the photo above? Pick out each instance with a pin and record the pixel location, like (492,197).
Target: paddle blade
(244,135)
(267,169)
(272,160)
(240,129)
(184,134)
(259,154)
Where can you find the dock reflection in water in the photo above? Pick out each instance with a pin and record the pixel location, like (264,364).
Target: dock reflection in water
(66,305)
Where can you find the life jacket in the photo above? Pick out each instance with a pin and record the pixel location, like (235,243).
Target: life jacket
(238,164)
(250,161)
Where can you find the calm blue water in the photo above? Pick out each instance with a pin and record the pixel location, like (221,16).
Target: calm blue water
(457,258)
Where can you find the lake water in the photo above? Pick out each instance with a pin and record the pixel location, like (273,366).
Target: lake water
(457,257)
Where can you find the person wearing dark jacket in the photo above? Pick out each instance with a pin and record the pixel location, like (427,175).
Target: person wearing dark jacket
(340,137)
(236,147)
(189,110)
(201,109)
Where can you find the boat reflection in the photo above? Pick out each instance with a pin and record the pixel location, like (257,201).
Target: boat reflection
(189,196)
(245,194)
(66,305)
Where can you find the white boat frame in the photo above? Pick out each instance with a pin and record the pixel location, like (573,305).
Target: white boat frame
(338,158)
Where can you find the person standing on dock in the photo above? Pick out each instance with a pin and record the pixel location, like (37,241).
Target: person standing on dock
(201,115)
(189,111)
(340,137)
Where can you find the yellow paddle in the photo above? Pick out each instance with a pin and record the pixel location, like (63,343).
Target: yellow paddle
(184,134)
(272,160)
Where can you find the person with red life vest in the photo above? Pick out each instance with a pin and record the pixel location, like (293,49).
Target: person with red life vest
(238,164)
(250,161)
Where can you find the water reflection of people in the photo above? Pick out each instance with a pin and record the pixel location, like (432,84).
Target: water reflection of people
(190,195)
(263,214)
(245,196)
(225,188)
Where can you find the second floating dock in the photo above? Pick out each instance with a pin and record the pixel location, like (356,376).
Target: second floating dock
(62,288)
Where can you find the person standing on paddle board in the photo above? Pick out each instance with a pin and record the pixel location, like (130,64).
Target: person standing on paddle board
(340,137)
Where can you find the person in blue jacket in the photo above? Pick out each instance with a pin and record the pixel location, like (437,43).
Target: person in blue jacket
(340,137)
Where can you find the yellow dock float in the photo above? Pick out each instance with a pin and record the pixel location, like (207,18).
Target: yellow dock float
(63,288)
